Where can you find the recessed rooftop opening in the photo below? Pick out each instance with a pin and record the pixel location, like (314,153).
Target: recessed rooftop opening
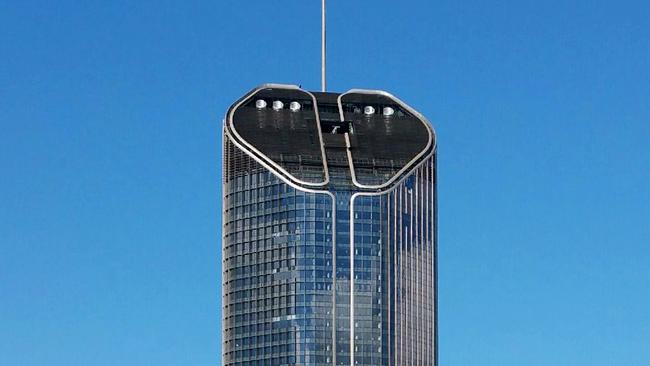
(335,127)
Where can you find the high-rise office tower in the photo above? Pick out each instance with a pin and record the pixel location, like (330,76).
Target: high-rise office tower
(329,230)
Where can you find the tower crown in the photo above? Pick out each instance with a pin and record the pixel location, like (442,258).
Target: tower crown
(368,136)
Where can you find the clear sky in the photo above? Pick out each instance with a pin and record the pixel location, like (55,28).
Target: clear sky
(110,115)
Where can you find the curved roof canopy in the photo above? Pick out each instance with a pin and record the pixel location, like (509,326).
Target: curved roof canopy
(297,133)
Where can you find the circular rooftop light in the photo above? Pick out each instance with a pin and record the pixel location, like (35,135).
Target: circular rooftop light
(388,111)
(260,104)
(368,110)
(294,106)
(277,105)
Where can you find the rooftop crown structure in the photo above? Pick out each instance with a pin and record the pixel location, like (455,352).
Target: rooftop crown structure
(329,236)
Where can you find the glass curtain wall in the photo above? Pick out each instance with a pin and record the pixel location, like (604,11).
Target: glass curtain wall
(306,283)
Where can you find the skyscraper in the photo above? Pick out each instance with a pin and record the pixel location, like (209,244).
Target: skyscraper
(329,230)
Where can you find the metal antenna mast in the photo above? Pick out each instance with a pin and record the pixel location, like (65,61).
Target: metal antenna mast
(323,48)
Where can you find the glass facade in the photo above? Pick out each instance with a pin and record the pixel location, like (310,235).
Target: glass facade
(278,263)
(332,275)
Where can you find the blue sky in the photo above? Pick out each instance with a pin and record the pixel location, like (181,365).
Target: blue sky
(110,118)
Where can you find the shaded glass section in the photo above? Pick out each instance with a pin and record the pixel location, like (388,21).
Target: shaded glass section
(394,273)
(370,318)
